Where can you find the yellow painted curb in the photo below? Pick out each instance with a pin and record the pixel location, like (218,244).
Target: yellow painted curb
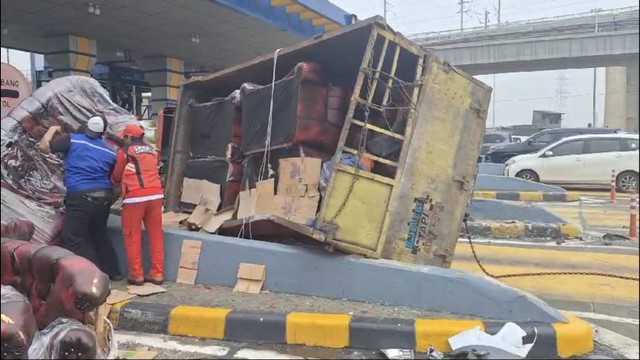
(198,321)
(313,329)
(436,332)
(508,230)
(484,194)
(531,196)
(573,338)
(571,230)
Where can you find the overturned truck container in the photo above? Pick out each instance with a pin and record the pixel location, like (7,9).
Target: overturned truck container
(399,156)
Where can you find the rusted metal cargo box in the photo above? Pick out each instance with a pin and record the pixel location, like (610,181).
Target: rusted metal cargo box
(417,119)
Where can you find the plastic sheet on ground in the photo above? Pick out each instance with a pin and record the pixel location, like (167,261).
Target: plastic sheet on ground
(509,339)
(67,339)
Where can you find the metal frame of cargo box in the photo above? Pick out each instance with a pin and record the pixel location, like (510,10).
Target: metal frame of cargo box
(367,213)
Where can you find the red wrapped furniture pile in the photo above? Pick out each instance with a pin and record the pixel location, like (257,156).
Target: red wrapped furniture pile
(57,285)
(32,186)
(308,113)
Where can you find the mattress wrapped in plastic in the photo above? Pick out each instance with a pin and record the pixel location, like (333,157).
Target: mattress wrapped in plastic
(211,127)
(66,102)
(299,112)
(18,324)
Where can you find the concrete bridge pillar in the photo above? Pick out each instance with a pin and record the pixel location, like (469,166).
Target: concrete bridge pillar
(71,55)
(164,74)
(621,98)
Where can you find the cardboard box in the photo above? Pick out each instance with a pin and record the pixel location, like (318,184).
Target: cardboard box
(205,210)
(194,190)
(173,219)
(189,260)
(258,201)
(299,176)
(216,220)
(301,210)
(250,278)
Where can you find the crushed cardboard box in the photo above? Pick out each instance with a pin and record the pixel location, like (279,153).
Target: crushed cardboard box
(145,290)
(297,197)
(173,219)
(118,296)
(206,208)
(258,201)
(299,176)
(137,354)
(194,190)
(251,278)
(189,259)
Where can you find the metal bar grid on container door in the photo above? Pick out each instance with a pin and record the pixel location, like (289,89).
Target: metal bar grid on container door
(349,116)
(408,132)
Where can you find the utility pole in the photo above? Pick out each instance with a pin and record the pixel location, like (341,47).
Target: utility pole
(561,93)
(498,12)
(595,74)
(385,9)
(462,11)
(493,113)
(486,18)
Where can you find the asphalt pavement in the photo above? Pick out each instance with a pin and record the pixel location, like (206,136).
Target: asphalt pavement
(174,347)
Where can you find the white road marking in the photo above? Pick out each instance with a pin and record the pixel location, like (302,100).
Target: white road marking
(622,345)
(262,354)
(158,342)
(597,316)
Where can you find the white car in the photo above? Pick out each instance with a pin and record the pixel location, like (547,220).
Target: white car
(582,160)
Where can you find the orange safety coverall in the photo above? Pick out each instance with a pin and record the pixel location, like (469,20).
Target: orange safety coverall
(136,169)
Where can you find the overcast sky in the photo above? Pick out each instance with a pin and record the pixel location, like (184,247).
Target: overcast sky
(517,94)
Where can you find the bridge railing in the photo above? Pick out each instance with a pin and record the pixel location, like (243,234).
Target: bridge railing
(557,22)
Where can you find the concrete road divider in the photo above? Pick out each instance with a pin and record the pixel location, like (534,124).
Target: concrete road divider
(560,339)
(529,196)
(518,229)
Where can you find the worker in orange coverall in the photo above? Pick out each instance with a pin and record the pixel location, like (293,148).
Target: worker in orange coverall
(136,169)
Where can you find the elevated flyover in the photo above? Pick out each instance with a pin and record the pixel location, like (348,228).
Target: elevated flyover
(576,41)
(606,38)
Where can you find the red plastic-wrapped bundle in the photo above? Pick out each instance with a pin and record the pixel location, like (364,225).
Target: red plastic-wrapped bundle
(299,112)
(18,324)
(67,102)
(337,104)
(57,282)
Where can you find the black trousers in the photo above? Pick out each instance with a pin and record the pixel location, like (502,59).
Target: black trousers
(85,231)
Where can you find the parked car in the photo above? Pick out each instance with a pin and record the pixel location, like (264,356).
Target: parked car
(494,138)
(582,160)
(501,153)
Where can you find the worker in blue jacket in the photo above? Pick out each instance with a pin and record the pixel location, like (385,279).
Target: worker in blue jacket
(88,164)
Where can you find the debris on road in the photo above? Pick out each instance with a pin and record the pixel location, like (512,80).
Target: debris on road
(146,289)
(508,339)
(398,354)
